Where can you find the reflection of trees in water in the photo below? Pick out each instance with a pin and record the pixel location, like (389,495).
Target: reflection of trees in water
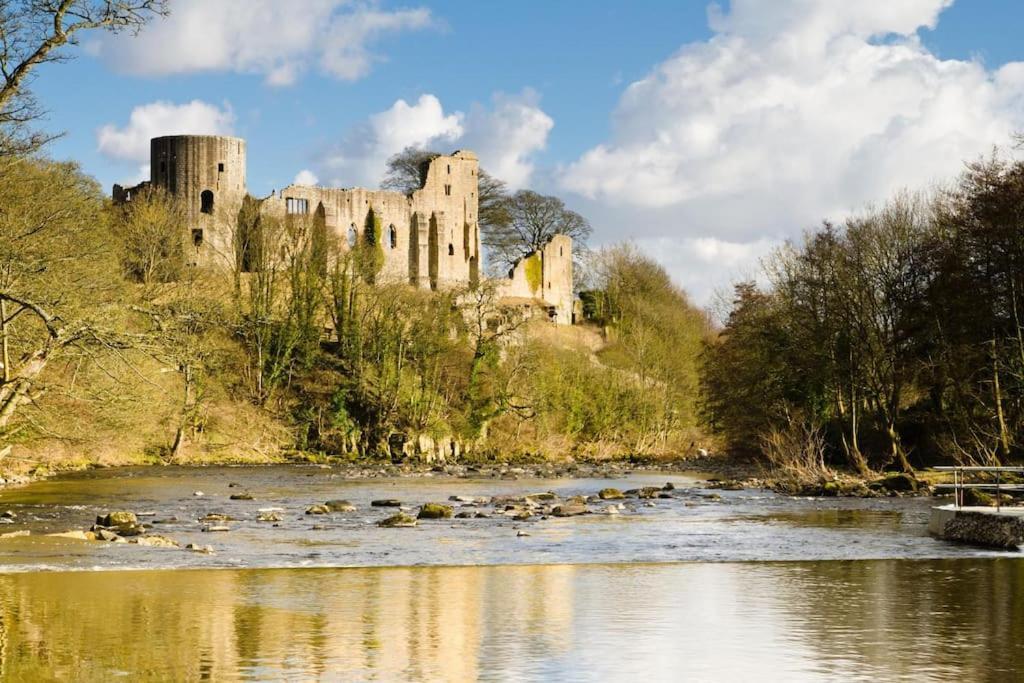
(888,619)
(900,617)
(403,623)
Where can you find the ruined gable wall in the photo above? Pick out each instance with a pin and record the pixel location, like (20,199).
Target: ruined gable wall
(544,276)
(436,238)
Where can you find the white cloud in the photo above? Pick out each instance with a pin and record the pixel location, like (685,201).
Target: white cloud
(793,111)
(278,40)
(306,177)
(504,136)
(131,143)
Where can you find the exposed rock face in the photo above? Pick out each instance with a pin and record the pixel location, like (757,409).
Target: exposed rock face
(980,528)
(435,511)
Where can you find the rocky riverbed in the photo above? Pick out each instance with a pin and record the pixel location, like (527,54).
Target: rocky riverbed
(289,516)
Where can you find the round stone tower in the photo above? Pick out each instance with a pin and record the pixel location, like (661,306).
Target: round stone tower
(207,173)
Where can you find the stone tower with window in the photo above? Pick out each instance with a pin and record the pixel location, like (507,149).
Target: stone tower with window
(207,173)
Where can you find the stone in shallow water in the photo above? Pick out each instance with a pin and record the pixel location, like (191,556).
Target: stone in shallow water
(435,511)
(387,503)
(215,528)
(317,510)
(196,548)
(398,520)
(242,496)
(340,506)
(156,542)
(16,534)
(569,510)
(610,494)
(268,517)
(77,535)
(119,518)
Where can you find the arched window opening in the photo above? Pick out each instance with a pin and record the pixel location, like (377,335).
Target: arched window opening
(451,249)
(206,201)
(352,235)
(393,236)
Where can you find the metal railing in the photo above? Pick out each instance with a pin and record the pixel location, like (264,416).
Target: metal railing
(960,483)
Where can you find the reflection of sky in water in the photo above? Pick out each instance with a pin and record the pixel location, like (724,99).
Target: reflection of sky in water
(791,621)
(743,525)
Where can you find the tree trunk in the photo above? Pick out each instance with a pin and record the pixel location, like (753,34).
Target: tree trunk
(14,392)
(1004,433)
(187,414)
(5,352)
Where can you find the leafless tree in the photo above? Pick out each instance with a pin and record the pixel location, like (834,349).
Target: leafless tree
(34,32)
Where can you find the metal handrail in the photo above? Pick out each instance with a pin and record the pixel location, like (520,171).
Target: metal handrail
(960,484)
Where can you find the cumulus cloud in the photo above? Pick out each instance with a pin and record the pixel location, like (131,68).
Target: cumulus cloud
(278,40)
(793,111)
(131,142)
(306,177)
(505,136)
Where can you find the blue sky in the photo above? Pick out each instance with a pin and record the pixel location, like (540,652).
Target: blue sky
(705,142)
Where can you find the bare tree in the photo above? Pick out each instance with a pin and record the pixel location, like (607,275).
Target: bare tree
(152,230)
(34,32)
(532,220)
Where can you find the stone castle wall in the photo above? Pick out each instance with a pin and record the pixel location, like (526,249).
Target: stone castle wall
(430,238)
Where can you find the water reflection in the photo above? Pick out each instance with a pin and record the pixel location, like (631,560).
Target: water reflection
(869,620)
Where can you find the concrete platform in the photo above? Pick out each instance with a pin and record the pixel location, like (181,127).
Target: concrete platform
(985,526)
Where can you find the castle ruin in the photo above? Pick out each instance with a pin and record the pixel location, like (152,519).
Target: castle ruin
(430,237)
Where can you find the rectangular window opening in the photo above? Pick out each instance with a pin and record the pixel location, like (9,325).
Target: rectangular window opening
(296,206)
(220,167)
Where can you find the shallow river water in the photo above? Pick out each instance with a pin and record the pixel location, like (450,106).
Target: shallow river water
(753,586)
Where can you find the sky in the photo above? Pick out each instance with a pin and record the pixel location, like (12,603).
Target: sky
(705,133)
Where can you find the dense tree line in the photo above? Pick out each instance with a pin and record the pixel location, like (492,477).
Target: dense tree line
(893,340)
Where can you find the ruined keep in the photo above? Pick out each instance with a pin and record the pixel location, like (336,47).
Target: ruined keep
(430,237)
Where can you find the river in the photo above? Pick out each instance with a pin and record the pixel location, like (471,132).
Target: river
(699,586)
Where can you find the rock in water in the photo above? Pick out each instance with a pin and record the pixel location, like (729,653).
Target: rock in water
(318,510)
(398,520)
(340,506)
(216,528)
(120,518)
(16,534)
(268,517)
(196,548)
(610,494)
(241,496)
(569,510)
(387,503)
(156,542)
(435,511)
(77,535)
